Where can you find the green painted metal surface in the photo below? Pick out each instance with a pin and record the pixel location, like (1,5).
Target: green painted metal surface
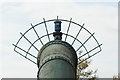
(57,59)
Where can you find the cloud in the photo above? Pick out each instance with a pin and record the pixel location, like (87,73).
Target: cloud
(98,18)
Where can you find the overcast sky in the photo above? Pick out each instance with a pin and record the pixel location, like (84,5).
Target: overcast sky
(99,17)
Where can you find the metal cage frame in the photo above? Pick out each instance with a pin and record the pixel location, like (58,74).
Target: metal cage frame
(48,34)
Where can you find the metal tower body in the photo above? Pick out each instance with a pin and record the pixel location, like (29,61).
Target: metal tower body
(57,59)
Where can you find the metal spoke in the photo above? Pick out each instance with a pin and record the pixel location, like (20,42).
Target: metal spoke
(24,51)
(29,41)
(77,34)
(77,40)
(37,34)
(90,51)
(37,40)
(46,28)
(89,57)
(23,55)
(85,41)
(68,28)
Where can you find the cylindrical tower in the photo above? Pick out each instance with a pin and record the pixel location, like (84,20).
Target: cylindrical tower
(57,59)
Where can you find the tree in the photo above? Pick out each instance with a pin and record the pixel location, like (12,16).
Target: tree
(83,73)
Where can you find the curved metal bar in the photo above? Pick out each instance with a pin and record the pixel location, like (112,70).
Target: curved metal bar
(70,22)
(88,57)
(85,41)
(91,51)
(37,34)
(29,41)
(30,29)
(24,51)
(61,20)
(75,38)
(77,34)
(37,40)
(21,37)
(62,33)
(80,26)
(73,23)
(23,55)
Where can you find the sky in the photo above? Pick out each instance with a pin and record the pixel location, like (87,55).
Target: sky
(99,16)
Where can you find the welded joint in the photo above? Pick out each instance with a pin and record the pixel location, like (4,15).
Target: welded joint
(53,57)
(56,42)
